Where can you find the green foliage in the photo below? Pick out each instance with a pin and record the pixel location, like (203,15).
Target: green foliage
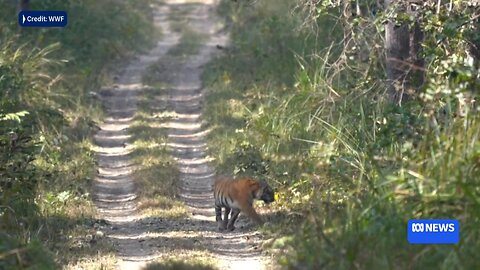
(19,143)
(47,114)
(96,30)
(248,161)
(13,116)
(189,43)
(351,168)
(30,256)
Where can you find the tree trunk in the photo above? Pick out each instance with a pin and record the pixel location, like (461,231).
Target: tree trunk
(417,73)
(404,64)
(397,48)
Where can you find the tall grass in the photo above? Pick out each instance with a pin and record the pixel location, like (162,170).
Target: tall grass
(48,110)
(350,167)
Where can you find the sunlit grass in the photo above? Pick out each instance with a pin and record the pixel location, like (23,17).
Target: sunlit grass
(185,261)
(156,177)
(156,174)
(163,207)
(95,262)
(86,247)
(189,43)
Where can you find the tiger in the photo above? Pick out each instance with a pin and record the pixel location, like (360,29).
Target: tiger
(237,195)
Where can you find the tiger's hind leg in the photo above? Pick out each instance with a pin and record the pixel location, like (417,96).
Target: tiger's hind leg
(225,218)
(222,224)
(231,222)
(218,217)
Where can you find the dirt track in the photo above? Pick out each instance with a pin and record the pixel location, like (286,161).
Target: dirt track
(142,240)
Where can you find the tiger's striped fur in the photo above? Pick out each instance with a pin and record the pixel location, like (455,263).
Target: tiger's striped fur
(237,195)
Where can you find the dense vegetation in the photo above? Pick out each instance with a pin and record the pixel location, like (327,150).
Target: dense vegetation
(300,99)
(48,108)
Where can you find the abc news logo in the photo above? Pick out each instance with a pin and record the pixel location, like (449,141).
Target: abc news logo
(435,227)
(433,231)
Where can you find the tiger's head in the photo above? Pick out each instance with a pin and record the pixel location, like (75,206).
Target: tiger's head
(267,194)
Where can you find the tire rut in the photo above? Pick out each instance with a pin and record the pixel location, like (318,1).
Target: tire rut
(114,186)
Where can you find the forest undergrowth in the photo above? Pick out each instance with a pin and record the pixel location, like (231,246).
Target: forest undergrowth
(49,109)
(299,99)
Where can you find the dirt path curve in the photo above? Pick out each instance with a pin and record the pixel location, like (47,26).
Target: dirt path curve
(141,240)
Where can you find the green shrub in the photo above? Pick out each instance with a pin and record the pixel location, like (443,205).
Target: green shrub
(47,115)
(352,168)
(30,256)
